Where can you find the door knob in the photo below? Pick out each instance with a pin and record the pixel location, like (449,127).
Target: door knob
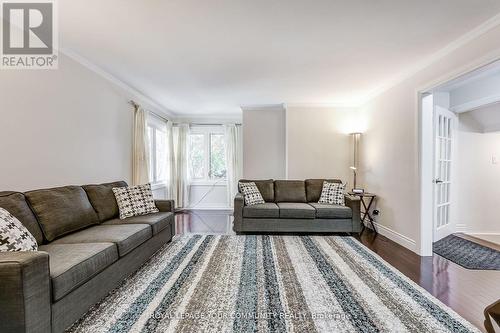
(438,181)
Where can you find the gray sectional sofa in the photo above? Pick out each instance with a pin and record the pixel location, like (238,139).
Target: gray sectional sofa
(85,251)
(292,206)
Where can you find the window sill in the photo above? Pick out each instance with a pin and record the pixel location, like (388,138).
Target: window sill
(221,182)
(157,186)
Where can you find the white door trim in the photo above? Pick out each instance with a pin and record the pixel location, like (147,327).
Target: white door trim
(426,191)
(426,173)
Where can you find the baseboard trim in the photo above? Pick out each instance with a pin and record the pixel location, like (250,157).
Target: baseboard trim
(395,236)
(209,210)
(484,233)
(461,228)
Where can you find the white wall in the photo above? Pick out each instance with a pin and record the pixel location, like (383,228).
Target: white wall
(64,126)
(208,196)
(390,151)
(318,144)
(299,142)
(484,119)
(264,143)
(477,178)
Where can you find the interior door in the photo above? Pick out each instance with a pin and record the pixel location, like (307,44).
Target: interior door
(445,123)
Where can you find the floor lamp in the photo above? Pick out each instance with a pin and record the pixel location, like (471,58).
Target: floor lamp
(356,137)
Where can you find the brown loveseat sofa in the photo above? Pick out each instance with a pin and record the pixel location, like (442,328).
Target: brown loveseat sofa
(292,206)
(85,250)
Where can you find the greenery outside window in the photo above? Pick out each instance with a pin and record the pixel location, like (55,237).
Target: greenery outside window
(207,156)
(157,138)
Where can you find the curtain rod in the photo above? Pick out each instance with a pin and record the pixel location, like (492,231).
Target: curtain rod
(207,124)
(135,105)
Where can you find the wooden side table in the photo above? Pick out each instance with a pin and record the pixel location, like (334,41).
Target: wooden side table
(365,208)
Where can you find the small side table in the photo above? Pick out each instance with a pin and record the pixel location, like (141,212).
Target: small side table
(366,205)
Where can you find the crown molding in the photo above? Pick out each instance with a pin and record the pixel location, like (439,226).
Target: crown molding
(131,91)
(449,48)
(284,106)
(212,118)
(323,105)
(257,107)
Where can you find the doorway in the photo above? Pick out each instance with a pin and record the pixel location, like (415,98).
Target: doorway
(445,147)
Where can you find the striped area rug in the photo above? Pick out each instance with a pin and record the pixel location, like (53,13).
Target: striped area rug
(269,284)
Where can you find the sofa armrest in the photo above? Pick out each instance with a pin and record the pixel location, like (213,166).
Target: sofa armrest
(354,203)
(239,203)
(25,300)
(165,205)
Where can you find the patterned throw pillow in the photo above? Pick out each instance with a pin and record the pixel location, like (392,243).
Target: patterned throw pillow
(135,200)
(13,234)
(251,194)
(332,194)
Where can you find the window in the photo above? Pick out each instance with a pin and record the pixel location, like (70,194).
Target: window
(157,138)
(197,156)
(207,155)
(217,153)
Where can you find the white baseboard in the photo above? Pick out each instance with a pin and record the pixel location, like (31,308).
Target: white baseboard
(461,228)
(402,240)
(484,233)
(210,210)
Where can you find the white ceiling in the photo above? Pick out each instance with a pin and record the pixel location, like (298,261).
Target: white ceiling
(201,57)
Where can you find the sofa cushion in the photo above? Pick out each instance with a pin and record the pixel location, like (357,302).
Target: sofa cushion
(327,211)
(62,210)
(103,199)
(266,188)
(15,203)
(157,221)
(290,191)
(296,210)
(314,187)
(71,265)
(265,210)
(126,236)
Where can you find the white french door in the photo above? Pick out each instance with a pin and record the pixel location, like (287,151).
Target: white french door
(445,123)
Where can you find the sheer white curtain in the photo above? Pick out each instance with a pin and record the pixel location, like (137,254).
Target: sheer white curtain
(181,164)
(234,157)
(140,155)
(170,163)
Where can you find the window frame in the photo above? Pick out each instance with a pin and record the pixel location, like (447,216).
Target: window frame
(206,131)
(156,124)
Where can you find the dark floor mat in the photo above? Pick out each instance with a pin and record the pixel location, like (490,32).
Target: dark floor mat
(467,254)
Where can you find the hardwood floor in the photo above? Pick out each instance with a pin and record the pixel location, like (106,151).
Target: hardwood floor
(468,292)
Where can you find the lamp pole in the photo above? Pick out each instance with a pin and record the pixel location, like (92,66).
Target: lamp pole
(355,160)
